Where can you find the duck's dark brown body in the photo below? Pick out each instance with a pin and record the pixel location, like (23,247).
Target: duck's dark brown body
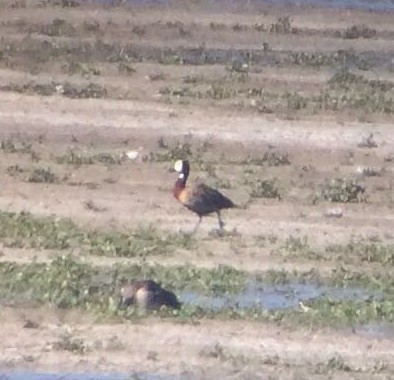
(200,198)
(147,294)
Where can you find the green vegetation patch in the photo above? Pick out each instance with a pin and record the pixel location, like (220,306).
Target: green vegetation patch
(63,282)
(10,146)
(299,247)
(326,312)
(270,158)
(266,188)
(91,90)
(33,175)
(320,313)
(341,190)
(167,152)
(42,175)
(73,157)
(23,230)
(354,252)
(316,59)
(366,252)
(67,282)
(348,90)
(380,283)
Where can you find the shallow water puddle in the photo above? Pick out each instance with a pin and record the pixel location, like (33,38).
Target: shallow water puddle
(275,297)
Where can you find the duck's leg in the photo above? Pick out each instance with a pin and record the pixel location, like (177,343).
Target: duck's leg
(197,225)
(221,223)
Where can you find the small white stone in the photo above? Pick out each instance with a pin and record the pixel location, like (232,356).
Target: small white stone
(59,89)
(132,155)
(334,213)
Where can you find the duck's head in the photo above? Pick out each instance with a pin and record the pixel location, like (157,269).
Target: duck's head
(182,167)
(127,296)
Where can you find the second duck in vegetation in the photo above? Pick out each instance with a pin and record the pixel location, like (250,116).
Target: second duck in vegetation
(148,295)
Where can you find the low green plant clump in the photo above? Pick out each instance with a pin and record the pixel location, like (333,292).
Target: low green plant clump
(69,90)
(381,282)
(177,150)
(58,28)
(76,158)
(92,90)
(359,31)
(325,311)
(340,57)
(266,188)
(348,90)
(44,89)
(342,190)
(33,175)
(366,252)
(268,158)
(295,246)
(11,146)
(68,342)
(42,175)
(83,69)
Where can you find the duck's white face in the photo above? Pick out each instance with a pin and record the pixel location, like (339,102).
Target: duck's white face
(178,166)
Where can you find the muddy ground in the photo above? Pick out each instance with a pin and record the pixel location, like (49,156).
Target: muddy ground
(297,96)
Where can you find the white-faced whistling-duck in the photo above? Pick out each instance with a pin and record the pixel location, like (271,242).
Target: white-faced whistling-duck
(200,198)
(148,295)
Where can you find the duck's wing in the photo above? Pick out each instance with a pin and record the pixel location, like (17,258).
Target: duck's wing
(203,199)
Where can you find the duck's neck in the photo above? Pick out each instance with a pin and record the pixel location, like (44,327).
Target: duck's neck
(181,181)
(179,185)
